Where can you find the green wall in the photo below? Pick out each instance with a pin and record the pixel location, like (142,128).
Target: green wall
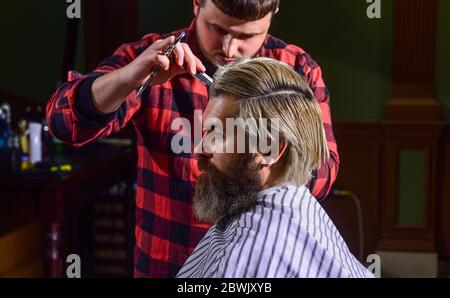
(443,56)
(354,51)
(164,16)
(32,41)
(411,187)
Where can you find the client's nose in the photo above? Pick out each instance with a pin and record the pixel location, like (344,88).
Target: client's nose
(204,155)
(201,151)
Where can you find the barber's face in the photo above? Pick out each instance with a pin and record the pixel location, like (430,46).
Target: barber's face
(229,181)
(223,39)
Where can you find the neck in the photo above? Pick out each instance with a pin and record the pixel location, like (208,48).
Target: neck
(272,181)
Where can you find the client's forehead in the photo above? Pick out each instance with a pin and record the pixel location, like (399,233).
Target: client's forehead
(221,107)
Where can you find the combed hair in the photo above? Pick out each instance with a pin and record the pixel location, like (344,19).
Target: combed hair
(270,89)
(248,10)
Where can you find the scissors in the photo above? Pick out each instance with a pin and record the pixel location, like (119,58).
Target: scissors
(203,77)
(167,52)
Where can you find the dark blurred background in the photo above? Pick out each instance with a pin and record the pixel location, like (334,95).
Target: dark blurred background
(389,80)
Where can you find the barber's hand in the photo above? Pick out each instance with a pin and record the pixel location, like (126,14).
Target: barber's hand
(181,61)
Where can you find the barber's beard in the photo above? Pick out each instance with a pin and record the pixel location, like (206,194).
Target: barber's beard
(228,193)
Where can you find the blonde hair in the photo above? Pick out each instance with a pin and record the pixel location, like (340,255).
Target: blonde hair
(271,89)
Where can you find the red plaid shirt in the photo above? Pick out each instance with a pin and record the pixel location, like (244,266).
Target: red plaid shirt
(166,230)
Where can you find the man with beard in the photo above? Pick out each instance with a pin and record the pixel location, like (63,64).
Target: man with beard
(266,222)
(92,106)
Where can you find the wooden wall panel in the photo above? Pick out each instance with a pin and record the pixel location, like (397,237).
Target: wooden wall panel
(414,48)
(368,168)
(401,136)
(359,146)
(443,202)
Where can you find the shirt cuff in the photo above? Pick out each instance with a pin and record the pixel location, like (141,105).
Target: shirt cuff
(84,107)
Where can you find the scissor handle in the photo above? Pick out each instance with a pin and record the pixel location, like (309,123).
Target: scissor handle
(167,51)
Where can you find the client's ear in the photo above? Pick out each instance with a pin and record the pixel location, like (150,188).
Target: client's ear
(276,152)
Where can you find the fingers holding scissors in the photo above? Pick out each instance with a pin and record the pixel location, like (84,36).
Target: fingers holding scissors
(186,59)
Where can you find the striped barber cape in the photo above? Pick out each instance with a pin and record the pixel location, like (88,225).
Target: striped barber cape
(286,234)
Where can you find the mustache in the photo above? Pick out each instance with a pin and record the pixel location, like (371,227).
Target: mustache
(203,164)
(221,55)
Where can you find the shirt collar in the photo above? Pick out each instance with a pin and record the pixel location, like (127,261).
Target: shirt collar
(273,189)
